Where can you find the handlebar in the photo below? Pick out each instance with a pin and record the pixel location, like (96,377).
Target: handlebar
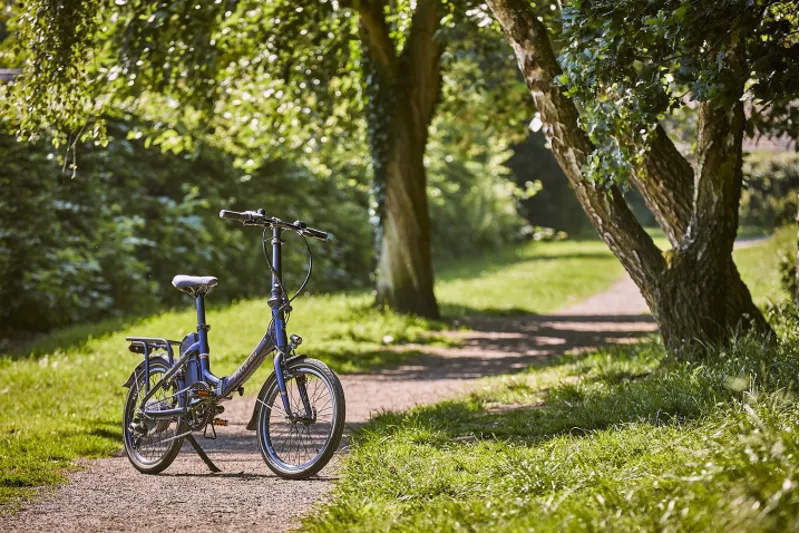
(258,218)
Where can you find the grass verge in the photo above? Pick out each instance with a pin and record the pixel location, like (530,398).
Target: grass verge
(758,265)
(61,397)
(626,439)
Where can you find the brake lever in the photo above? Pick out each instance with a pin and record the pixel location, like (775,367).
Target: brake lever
(257,218)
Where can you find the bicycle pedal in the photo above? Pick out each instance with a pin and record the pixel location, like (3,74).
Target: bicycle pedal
(240,390)
(220,422)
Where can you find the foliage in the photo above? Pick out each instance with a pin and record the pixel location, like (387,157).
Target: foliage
(630,63)
(261,80)
(555,205)
(44,425)
(108,242)
(769,195)
(274,68)
(469,191)
(788,269)
(81,249)
(58,39)
(624,439)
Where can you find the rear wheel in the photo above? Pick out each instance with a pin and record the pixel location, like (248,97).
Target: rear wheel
(150,444)
(299,444)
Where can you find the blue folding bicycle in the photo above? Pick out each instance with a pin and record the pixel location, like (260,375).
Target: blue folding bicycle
(299,413)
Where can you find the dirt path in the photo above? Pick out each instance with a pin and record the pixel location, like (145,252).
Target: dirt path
(109,495)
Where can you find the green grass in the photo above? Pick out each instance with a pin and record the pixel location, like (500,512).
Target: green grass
(752,232)
(758,266)
(626,439)
(744,232)
(535,278)
(61,397)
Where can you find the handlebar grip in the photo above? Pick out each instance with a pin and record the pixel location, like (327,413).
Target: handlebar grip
(234,215)
(316,234)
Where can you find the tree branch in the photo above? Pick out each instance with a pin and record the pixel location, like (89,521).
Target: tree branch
(379,43)
(607,210)
(421,58)
(667,186)
(718,178)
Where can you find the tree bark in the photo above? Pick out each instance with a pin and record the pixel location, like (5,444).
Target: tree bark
(694,291)
(405,273)
(667,186)
(402,100)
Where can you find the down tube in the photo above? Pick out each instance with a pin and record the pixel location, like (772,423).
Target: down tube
(250,365)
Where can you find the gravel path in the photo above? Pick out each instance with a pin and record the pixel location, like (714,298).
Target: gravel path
(109,495)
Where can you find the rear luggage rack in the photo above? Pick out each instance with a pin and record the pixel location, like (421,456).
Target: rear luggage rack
(145,345)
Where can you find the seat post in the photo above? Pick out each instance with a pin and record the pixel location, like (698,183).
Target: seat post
(202,331)
(200,304)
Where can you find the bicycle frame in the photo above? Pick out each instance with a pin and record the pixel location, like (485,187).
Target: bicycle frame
(274,339)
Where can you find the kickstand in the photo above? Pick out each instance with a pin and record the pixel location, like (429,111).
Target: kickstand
(206,459)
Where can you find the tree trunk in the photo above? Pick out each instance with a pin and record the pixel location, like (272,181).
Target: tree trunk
(405,273)
(667,185)
(694,291)
(402,95)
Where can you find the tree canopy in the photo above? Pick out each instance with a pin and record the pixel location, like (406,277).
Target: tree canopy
(262,78)
(630,63)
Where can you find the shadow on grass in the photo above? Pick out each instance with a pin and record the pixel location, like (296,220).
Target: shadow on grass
(108,433)
(447,270)
(364,362)
(39,344)
(63,339)
(658,398)
(452,312)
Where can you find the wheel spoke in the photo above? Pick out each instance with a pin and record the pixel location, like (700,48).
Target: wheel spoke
(297,441)
(159,434)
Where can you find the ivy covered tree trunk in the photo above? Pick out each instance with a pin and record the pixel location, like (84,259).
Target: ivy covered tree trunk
(694,290)
(405,275)
(402,91)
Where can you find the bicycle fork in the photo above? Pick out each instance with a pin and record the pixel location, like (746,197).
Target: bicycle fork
(280,369)
(277,304)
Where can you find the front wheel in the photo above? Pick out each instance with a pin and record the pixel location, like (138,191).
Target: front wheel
(298,444)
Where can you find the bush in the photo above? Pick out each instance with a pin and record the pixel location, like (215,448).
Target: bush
(109,241)
(769,196)
(473,203)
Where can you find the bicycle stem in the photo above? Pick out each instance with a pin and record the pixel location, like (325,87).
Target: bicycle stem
(278,316)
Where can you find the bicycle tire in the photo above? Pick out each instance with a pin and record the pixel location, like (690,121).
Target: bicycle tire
(133,450)
(271,411)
